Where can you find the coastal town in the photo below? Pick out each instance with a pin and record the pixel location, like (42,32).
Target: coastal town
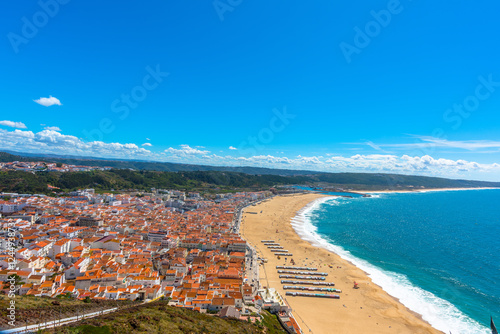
(236,255)
(161,245)
(41,166)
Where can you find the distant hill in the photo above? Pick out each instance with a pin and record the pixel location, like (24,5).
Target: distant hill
(379,181)
(146,165)
(129,180)
(143,175)
(8,157)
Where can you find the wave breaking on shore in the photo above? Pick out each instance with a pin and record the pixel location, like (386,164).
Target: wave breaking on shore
(439,313)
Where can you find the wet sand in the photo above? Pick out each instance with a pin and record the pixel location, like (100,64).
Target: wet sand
(367,309)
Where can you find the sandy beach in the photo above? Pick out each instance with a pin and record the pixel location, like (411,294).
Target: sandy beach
(367,309)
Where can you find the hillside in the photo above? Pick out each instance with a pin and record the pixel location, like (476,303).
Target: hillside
(155,317)
(7,157)
(378,181)
(31,310)
(146,165)
(159,318)
(233,178)
(124,179)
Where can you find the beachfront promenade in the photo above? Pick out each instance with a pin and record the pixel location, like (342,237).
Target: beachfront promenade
(251,262)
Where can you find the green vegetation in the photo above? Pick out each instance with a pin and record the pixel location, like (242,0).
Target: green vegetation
(7,157)
(148,165)
(204,178)
(271,323)
(159,318)
(123,179)
(212,181)
(31,310)
(31,302)
(379,181)
(86,329)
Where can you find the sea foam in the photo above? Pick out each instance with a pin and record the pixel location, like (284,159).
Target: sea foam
(439,313)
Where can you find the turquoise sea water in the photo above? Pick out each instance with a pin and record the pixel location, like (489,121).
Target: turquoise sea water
(438,252)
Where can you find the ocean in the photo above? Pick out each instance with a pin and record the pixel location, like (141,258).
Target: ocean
(437,252)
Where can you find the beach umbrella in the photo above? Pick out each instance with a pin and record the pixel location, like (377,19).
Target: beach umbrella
(493,328)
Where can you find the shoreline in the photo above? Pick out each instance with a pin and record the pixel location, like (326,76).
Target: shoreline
(358,310)
(420,190)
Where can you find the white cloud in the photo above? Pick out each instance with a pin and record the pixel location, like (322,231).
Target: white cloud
(310,160)
(265,160)
(463,144)
(147,144)
(18,125)
(185,151)
(48,101)
(232,148)
(373,145)
(53,128)
(50,141)
(148,139)
(386,163)
(427,142)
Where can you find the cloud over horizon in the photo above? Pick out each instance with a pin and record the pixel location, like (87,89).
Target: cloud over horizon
(50,141)
(185,151)
(54,142)
(48,101)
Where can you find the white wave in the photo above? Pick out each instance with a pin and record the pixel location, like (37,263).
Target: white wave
(440,313)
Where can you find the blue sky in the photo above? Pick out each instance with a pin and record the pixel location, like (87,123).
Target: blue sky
(392,86)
